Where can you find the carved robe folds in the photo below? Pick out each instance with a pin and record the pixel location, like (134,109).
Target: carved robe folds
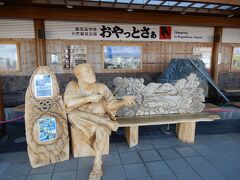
(45,120)
(185,96)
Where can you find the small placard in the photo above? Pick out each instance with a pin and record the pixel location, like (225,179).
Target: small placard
(43,86)
(205,54)
(47,129)
(55,58)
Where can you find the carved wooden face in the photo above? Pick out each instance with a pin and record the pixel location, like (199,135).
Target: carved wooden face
(86,74)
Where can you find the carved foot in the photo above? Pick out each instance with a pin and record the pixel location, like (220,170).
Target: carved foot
(96,174)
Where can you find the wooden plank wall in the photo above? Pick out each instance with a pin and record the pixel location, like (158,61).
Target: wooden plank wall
(155,57)
(27,57)
(226,59)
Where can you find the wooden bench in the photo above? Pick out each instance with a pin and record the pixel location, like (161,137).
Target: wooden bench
(185,124)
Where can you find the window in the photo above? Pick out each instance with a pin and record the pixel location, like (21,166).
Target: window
(236,58)
(198,5)
(122,56)
(205,54)
(9,57)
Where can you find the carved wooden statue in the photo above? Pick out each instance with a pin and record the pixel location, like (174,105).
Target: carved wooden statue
(45,120)
(185,96)
(91,111)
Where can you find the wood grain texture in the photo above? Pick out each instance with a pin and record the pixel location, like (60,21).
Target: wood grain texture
(229,2)
(40,42)
(55,150)
(186,132)
(131,135)
(226,50)
(166,119)
(155,55)
(90,15)
(217,41)
(80,148)
(185,124)
(27,56)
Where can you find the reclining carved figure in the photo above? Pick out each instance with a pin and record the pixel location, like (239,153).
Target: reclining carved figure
(184,96)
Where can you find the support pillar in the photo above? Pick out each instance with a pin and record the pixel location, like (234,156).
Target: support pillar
(186,132)
(2,115)
(40,42)
(131,135)
(216,50)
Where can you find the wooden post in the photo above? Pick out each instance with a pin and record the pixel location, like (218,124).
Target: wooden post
(40,42)
(131,135)
(186,131)
(217,41)
(2,115)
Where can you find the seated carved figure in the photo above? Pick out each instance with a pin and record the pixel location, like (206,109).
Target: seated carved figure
(91,108)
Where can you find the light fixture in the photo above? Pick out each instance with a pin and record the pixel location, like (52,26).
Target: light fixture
(69,6)
(230,15)
(130,10)
(1,3)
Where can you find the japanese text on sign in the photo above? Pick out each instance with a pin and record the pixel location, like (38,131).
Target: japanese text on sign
(136,33)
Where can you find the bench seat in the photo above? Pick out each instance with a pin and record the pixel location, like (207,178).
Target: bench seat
(185,124)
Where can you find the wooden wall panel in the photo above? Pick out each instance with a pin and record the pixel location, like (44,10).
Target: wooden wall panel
(156,55)
(226,59)
(27,57)
(114,16)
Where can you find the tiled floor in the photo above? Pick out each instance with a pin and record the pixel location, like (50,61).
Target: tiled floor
(211,157)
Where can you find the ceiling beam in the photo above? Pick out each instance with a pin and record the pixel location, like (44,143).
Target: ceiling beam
(185,8)
(130,3)
(165,8)
(90,15)
(219,5)
(114,3)
(227,2)
(146,3)
(175,5)
(161,3)
(201,8)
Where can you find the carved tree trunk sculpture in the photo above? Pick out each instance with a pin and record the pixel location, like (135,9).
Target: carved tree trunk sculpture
(45,121)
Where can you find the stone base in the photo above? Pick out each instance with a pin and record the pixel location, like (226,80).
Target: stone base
(80,148)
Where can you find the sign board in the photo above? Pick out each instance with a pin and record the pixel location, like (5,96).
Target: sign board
(43,86)
(47,128)
(231,35)
(126,32)
(205,54)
